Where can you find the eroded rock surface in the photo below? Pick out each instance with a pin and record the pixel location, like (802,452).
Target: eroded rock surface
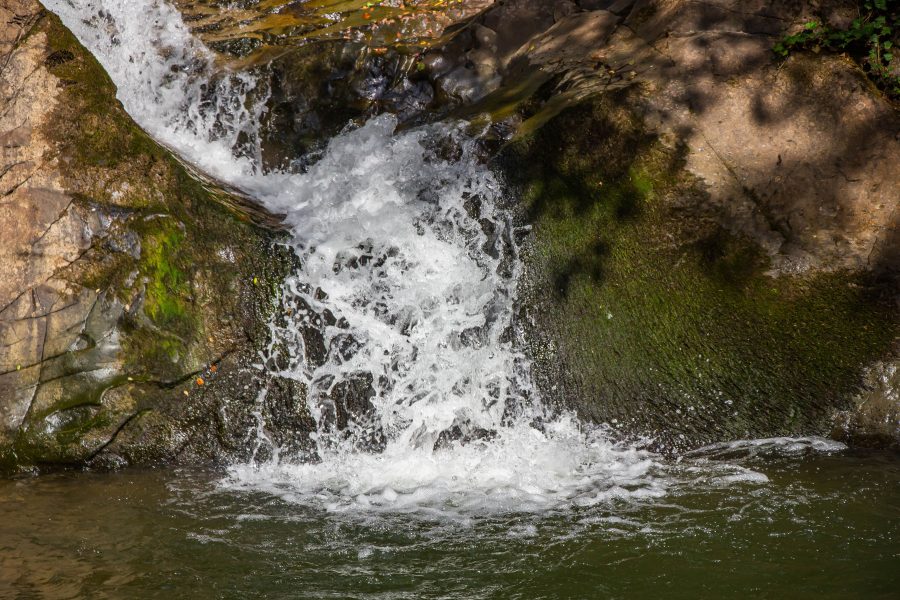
(719,229)
(133,299)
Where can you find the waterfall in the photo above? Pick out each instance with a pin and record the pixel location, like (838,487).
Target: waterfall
(408,276)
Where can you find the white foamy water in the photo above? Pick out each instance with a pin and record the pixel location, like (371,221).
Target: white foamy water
(407,283)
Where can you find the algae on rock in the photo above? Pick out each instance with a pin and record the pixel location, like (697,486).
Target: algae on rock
(714,248)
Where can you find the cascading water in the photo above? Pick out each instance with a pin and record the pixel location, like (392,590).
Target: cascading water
(408,276)
(435,470)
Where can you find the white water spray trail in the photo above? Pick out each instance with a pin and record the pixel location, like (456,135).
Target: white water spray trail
(398,321)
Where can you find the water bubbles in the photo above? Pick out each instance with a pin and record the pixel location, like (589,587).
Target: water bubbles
(396,323)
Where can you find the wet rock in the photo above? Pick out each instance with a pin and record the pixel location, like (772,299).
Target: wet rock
(313,93)
(469,83)
(517,21)
(316,90)
(874,421)
(286,421)
(563,8)
(620,7)
(409,99)
(741,175)
(712,230)
(713,250)
(462,432)
(435,63)
(485,37)
(347,409)
(131,294)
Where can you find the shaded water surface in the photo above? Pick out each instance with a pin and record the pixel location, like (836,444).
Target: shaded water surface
(818,525)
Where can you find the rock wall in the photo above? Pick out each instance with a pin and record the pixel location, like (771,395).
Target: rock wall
(711,241)
(715,234)
(133,297)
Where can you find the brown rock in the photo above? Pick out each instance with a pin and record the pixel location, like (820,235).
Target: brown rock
(121,276)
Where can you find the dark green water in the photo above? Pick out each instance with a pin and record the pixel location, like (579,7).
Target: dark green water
(822,526)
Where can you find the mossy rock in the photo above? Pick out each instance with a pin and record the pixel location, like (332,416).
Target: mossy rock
(163,309)
(643,311)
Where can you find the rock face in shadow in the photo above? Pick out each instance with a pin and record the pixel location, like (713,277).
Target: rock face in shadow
(133,298)
(801,157)
(718,230)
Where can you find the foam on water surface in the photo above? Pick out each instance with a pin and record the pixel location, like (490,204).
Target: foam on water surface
(408,272)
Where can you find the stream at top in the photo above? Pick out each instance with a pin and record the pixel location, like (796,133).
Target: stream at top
(458,482)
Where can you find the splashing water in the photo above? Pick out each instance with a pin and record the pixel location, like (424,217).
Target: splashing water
(408,282)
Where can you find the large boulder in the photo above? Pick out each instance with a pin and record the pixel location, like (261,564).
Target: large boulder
(715,234)
(133,297)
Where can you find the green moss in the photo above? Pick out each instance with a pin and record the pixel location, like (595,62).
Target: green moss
(96,133)
(185,305)
(661,318)
(178,221)
(167,285)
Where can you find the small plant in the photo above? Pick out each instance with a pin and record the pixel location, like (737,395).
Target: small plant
(870,40)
